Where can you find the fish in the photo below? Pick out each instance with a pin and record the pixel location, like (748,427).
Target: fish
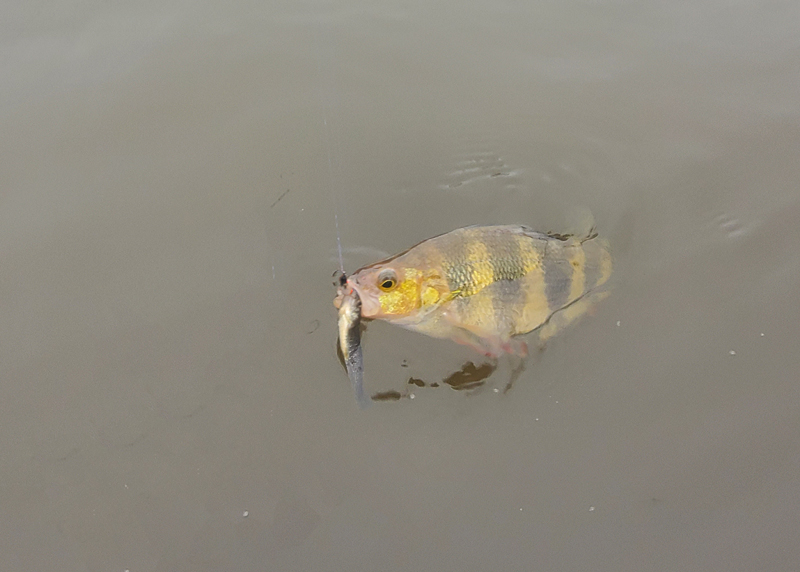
(350,339)
(485,286)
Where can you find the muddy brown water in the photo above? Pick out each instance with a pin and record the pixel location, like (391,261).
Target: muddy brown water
(171,398)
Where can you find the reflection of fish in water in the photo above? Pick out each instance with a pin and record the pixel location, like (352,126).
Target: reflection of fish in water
(484,285)
(468,378)
(350,339)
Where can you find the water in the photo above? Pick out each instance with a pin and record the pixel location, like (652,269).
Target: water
(167,240)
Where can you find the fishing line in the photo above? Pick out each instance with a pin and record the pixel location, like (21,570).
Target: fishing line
(333,195)
(329,91)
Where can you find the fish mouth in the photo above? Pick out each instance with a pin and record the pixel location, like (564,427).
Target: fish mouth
(370,305)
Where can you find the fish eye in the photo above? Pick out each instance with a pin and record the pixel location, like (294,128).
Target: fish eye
(387,280)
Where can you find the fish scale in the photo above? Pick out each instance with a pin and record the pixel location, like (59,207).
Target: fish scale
(481,258)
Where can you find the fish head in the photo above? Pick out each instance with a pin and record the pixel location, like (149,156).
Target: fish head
(391,291)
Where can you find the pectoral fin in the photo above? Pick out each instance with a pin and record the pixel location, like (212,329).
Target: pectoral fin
(560,320)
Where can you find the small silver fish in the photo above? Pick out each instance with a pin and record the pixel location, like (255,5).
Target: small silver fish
(350,339)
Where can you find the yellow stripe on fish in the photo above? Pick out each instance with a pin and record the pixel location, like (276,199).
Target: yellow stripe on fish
(482,285)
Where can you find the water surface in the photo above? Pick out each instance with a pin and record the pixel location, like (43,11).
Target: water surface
(171,395)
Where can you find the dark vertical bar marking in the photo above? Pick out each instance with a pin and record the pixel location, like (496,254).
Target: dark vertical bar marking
(455,266)
(557,277)
(505,256)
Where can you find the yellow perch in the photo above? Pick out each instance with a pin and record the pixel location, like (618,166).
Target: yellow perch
(483,285)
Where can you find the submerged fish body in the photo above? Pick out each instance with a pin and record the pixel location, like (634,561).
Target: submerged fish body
(350,340)
(484,285)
